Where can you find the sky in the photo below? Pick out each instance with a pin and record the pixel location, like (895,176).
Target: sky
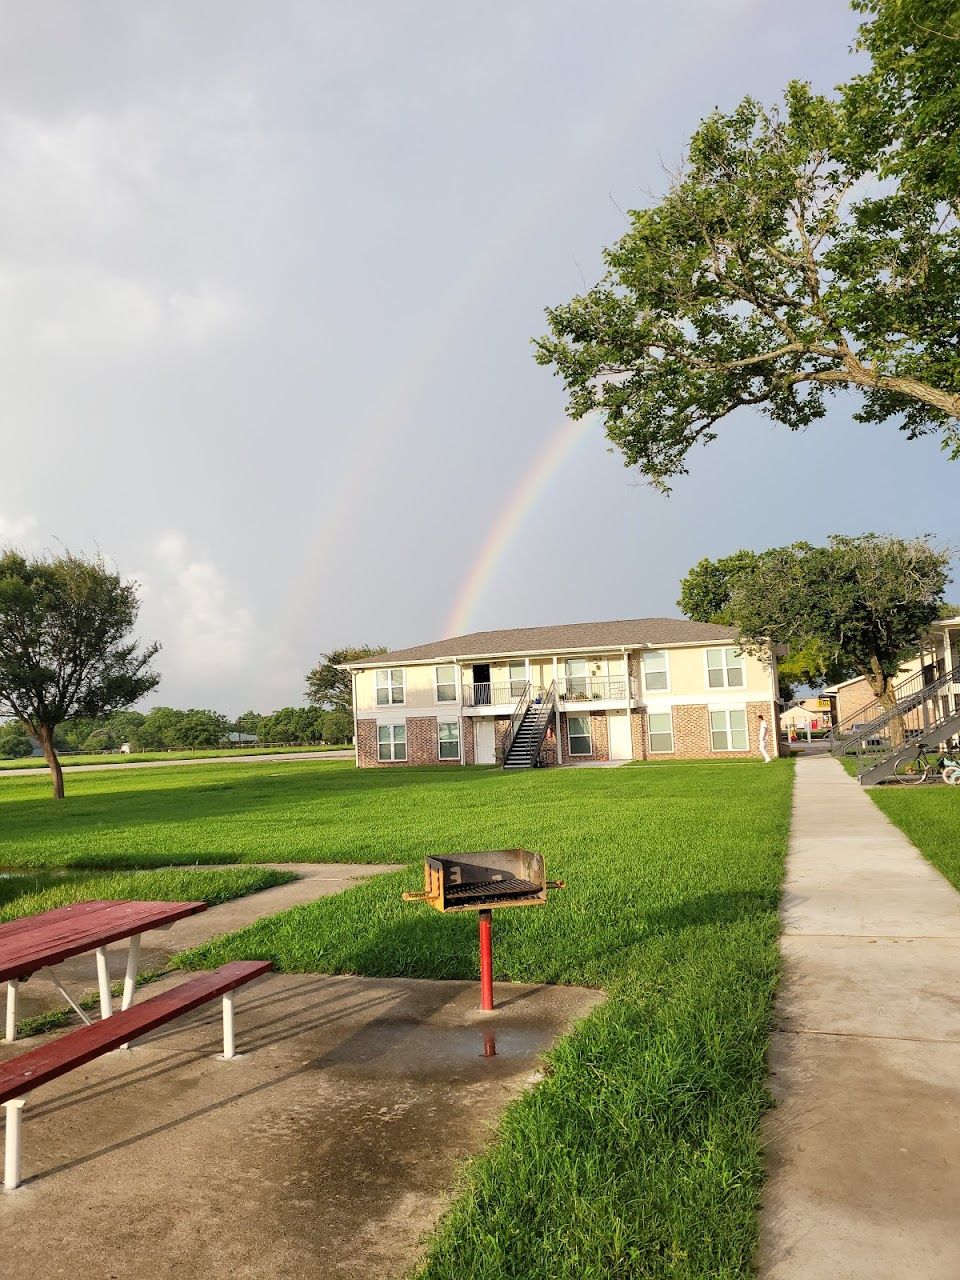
(268,279)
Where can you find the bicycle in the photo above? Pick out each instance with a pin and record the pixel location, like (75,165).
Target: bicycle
(918,764)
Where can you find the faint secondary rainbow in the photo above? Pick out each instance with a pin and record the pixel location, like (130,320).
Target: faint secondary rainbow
(518,506)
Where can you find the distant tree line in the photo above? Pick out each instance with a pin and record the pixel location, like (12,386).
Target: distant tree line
(172,729)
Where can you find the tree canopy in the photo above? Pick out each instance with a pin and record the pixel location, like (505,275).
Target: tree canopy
(800,250)
(862,603)
(65,645)
(333,689)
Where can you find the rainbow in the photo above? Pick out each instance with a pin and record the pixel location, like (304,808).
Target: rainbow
(402,388)
(518,506)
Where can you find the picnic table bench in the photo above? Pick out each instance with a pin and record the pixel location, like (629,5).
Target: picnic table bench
(36,943)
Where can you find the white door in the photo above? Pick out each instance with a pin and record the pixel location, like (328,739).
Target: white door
(618,733)
(484,741)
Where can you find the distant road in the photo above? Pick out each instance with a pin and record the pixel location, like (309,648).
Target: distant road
(170,764)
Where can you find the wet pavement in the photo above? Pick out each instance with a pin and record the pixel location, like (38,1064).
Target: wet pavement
(327,1149)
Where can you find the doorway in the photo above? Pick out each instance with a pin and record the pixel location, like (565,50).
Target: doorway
(618,735)
(481,684)
(484,742)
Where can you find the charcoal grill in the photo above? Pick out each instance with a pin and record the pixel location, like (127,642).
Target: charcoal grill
(480,882)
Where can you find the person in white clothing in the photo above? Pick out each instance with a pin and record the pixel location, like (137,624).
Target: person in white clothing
(762,737)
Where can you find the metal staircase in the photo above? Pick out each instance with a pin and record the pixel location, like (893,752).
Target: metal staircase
(528,728)
(926,710)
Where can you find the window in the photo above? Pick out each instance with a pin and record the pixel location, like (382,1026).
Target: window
(724,669)
(728,730)
(448,732)
(518,678)
(655,674)
(446,679)
(390,687)
(577,677)
(392,741)
(581,744)
(660,728)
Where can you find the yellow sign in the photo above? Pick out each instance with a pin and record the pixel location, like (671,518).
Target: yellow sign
(824,703)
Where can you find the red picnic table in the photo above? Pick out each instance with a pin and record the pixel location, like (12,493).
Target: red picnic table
(36,943)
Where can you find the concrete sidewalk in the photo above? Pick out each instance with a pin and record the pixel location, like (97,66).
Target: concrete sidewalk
(863,1151)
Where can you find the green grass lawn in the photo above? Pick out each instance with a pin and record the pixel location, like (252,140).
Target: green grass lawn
(638,1155)
(140,757)
(930,816)
(30,893)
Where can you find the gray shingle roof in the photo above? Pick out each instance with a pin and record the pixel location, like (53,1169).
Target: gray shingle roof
(568,636)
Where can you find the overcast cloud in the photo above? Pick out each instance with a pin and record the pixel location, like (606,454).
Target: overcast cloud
(268,274)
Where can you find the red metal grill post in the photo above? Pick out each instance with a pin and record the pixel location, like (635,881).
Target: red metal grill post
(486,960)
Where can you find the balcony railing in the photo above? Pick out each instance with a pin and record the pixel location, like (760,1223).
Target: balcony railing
(571,690)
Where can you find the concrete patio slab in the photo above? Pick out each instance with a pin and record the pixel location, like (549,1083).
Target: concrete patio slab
(326,1150)
(863,1150)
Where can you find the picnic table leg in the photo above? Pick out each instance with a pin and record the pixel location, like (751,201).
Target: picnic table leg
(11,1028)
(11,1143)
(228,1041)
(103,980)
(130,977)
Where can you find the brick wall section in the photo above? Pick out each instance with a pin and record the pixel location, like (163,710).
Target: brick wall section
(691,732)
(638,733)
(422,746)
(466,740)
(422,740)
(598,736)
(366,743)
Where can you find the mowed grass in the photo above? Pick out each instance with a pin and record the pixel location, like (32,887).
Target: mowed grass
(929,814)
(27,895)
(140,757)
(638,1154)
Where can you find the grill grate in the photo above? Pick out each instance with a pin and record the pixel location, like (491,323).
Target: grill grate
(491,889)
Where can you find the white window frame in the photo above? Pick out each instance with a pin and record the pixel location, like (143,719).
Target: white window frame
(728,730)
(649,653)
(588,735)
(392,758)
(389,684)
(437,682)
(517,685)
(657,751)
(568,679)
(724,650)
(456,725)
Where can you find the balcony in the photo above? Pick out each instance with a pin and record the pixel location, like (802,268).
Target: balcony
(572,691)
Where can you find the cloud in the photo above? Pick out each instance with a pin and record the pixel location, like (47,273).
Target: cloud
(187,600)
(17,532)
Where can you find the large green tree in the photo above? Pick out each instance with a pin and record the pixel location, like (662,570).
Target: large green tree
(706,595)
(66,648)
(864,602)
(791,258)
(333,689)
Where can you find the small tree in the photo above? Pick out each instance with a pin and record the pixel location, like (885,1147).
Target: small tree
(14,743)
(332,689)
(865,601)
(65,645)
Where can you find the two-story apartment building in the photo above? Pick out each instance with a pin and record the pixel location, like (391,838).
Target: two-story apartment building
(593,691)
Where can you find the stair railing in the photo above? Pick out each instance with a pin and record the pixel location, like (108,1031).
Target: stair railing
(519,711)
(919,703)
